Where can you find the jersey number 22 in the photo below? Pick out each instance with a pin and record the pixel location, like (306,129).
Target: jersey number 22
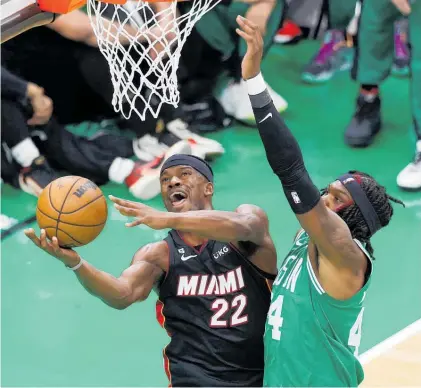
(221,306)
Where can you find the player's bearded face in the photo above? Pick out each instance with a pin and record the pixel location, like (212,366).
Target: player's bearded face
(184,189)
(337,197)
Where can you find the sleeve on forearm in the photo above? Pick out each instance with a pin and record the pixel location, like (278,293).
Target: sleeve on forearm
(284,154)
(12,86)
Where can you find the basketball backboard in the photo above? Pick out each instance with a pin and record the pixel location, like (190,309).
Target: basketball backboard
(18,16)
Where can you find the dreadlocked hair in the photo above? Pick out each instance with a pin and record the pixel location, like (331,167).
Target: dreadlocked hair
(379,199)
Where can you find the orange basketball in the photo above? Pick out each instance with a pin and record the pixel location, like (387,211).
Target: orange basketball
(73,209)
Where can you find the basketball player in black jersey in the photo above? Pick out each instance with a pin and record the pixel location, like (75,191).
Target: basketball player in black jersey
(212,274)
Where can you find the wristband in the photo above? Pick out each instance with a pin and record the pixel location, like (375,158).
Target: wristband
(256,85)
(77,266)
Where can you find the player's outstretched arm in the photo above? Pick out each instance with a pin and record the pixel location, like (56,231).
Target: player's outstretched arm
(327,230)
(134,284)
(247,223)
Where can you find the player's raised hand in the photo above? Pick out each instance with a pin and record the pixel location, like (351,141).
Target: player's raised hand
(250,32)
(67,256)
(144,214)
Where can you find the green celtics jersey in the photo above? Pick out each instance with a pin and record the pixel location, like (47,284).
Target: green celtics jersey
(311,339)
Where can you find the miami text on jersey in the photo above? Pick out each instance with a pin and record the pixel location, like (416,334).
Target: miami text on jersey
(199,285)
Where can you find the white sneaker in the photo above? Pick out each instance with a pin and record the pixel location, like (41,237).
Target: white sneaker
(202,147)
(235,101)
(144,182)
(410,177)
(148,148)
(175,131)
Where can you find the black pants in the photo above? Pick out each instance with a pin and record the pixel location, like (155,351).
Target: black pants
(76,155)
(201,65)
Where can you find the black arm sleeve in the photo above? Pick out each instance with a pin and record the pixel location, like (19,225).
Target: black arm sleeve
(12,86)
(284,155)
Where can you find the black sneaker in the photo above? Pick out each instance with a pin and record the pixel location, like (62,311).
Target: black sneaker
(366,122)
(206,115)
(37,176)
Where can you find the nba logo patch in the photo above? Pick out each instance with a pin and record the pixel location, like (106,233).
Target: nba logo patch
(181,250)
(295,197)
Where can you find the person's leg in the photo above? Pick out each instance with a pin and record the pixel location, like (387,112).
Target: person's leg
(198,73)
(15,133)
(336,51)
(415,39)
(34,171)
(78,155)
(200,65)
(13,136)
(9,168)
(104,157)
(410,177)
(46,58)
(153,135)
(340,13)
(234,97)
(372,64)
(95,72)
(272,25)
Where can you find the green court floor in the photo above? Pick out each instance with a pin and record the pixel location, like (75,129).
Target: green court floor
(55,334)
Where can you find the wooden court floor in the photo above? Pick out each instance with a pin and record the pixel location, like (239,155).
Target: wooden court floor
(54,334)
(395,362)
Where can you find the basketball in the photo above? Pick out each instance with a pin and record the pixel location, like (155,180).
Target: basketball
(73,209)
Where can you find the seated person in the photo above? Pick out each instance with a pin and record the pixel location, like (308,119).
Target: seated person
(35,147)
(63,57)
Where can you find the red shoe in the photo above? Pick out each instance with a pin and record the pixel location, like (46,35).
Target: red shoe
(288,33)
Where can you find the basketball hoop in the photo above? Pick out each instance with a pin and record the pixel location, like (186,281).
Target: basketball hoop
(143,51)
(140,39)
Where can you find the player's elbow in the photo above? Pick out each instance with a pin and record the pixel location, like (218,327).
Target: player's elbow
(246,229)
(245,232)
(129,297)
(251,224)
(119,303)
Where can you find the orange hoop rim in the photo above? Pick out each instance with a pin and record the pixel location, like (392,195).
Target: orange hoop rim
(66,6)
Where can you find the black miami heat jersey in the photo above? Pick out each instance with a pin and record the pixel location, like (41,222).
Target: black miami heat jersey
(213,304)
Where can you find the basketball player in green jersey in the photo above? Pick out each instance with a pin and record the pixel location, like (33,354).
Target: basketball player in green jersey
(313,327)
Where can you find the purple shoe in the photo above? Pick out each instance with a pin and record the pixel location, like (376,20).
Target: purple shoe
(333,56)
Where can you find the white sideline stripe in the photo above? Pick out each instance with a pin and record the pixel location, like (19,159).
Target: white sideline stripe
(390,342)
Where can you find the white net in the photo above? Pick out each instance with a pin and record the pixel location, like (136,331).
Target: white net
(142,43)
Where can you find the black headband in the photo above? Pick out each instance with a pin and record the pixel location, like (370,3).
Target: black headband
(189,160)
(361,200)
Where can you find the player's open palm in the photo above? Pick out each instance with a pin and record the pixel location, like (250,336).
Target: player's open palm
(144,214)
(250,32)
(68,256)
